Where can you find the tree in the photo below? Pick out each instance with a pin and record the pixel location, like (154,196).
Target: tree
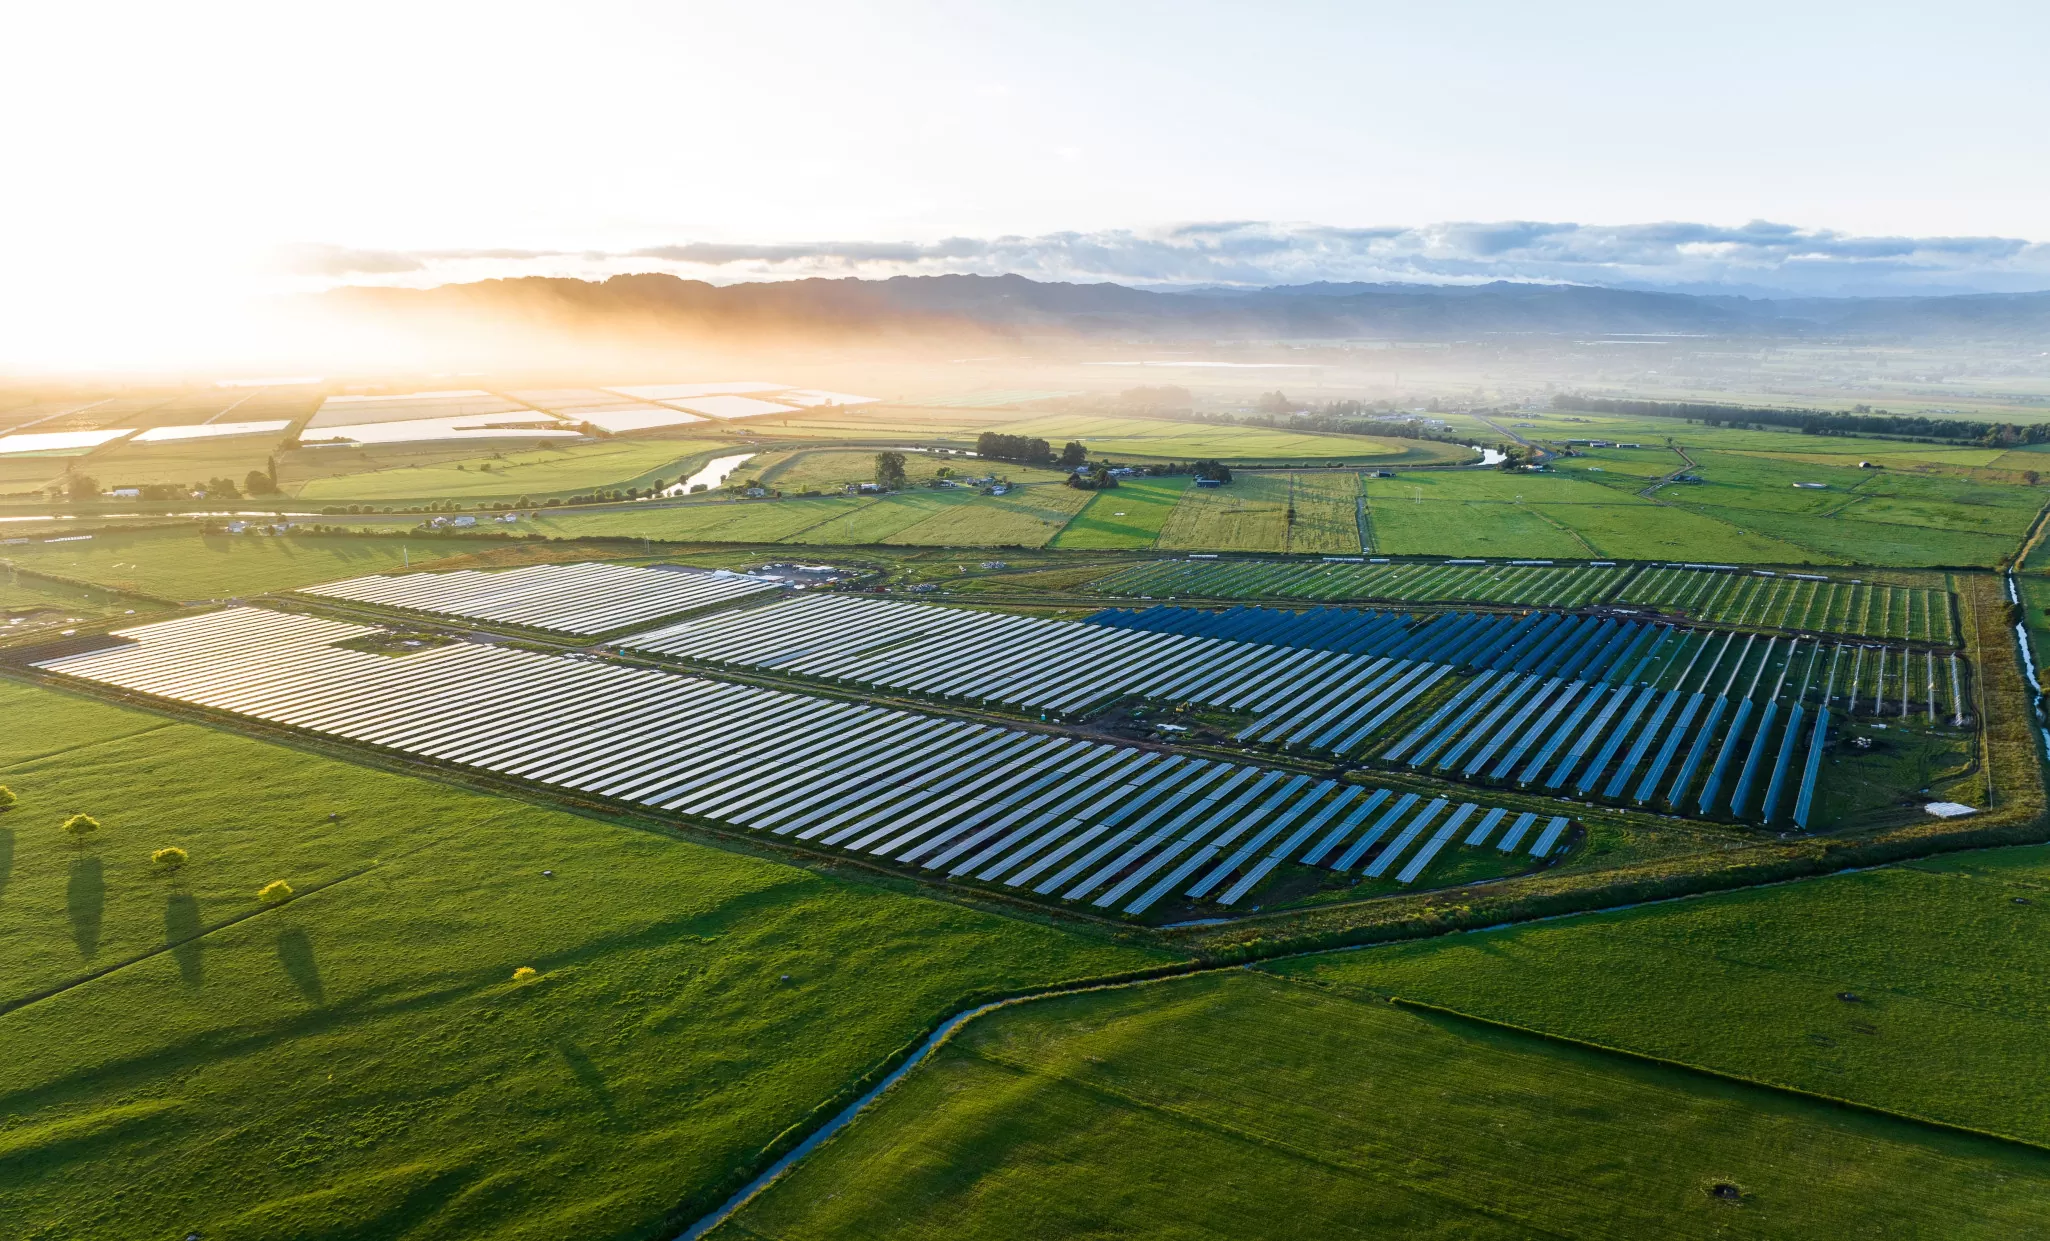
(168,859)
(259,483)
(81,488)
(222,489)
(1215,471)
(890,470)
(526,973)
(1073,454)
(7,798)
(1025,450)
(80,826)
(1274,403)
(275,892)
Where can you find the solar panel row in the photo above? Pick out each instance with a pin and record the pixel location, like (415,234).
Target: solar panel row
(1085,821)
(565,598)
(1327,701)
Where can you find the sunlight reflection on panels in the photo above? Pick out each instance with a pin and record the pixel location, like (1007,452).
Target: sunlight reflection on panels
(210,430)
(733,406)
(57,441)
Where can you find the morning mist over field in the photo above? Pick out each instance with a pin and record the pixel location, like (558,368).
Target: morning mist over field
(1021,621)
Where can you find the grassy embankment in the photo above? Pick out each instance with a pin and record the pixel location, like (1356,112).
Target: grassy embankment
(1238,1104)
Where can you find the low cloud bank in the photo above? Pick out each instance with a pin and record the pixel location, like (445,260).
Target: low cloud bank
(1759,259)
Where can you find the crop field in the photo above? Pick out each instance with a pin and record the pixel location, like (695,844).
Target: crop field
(1239,1104)
(1026,516)
(1755,984)
(825,469)
(1155,439)
(1846,606)
(1250,514)
(132,464)
(507,475)
(1330,582)
(1129,515)
(703,999)
(1325,513)
(181,564)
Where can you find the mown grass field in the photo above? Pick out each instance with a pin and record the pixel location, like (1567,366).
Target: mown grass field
(358,1062)
(1237,1104)
(1129,515)
(1157,439)
(184,564)
(129,464)
(543,471)
(1950,980)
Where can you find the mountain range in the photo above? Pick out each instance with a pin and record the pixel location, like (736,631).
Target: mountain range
(1016,306)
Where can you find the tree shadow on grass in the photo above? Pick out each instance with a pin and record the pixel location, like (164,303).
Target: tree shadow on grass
(181,931)
(588,1075)
(295,953)
(85,897)
(6,857)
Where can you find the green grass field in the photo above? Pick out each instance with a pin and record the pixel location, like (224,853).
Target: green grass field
(183,564)
(1240,1105)
(543,471)
(1403,526)
(1751,984)
(358,1062)
(1161,440)
(1248,514)
(129,464)
(1127,516)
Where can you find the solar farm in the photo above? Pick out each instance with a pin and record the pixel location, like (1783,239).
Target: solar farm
(1116,828)
(1724,594)
(625,815)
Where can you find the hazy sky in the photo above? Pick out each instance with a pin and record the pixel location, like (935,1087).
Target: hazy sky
(152,146)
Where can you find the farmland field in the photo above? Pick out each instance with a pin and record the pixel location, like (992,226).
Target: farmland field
(1753,984)
(182,564)
(1129,515)
(701,999)
(1159,440)
(1238,1104)
(1558,586)
(515,472)
(1248,514)
(1403,526)
(1326,507)
(1024,517)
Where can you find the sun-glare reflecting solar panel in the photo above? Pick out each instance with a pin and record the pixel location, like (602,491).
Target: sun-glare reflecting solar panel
(676,392)
(732,406)
(56,441)
(565,598)
(210,430)
(460,403)
(813,397)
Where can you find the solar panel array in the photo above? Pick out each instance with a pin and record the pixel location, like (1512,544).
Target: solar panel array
(1117,827)
(564,598)
(1538,583)
(1323,701)
(1587,647)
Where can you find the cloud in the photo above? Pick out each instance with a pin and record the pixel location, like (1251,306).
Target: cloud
(1760,257)
(320,259)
